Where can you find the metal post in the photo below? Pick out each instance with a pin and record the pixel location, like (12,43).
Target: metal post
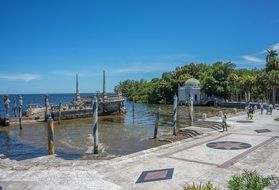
(59,116)
(174,114)
(157,123)
(51,147)
(20,100)
(95,125)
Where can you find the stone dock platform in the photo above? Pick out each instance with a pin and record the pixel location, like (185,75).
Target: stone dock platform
(214,156)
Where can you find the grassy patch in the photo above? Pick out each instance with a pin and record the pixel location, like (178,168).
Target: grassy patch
(277,119)
(194,186)
(249,180)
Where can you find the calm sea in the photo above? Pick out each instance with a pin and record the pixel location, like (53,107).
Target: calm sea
(39,99)
(118,134)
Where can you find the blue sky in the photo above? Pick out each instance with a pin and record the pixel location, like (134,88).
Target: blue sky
(43,44)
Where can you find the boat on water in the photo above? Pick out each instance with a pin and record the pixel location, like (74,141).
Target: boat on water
(80,107)
(111,104)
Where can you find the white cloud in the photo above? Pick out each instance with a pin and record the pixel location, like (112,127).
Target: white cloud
(275,47)
(73,74)
(20,76)
(140,69)
(252,59)
(272,47)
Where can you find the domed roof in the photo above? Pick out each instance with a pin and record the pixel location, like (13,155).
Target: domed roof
(192,82)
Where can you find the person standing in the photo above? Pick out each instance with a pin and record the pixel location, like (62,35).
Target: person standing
(262,108)
(270,108)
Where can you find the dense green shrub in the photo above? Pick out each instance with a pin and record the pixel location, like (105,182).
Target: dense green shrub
(194,186)
(249,180)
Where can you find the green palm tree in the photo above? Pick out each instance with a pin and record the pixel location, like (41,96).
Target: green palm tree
(233,81)
(247,81)
(270,55)
(273,82)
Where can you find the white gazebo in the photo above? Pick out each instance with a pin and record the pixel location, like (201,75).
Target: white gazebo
(190,89)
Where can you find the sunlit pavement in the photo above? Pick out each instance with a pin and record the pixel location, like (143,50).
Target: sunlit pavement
(248,144)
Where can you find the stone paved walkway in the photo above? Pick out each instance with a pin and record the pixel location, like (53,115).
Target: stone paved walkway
(187,161)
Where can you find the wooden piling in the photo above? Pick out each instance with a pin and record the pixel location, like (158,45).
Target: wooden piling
(59,116)
(133,107)
(191,111)
(20,117)
(46,107)
(20,100)
(174,114)
(51,147)
(156,123)
(95,125)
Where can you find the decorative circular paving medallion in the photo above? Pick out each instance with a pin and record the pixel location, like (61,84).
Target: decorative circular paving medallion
(228,145)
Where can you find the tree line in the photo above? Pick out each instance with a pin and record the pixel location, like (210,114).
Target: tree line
(220,79)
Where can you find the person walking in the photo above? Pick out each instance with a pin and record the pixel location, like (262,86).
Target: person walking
(251,112)
(224,122)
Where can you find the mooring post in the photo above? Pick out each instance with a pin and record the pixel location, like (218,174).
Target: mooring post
(95,124)
(133,107)
(51,147)
(6,106)
(191,114)
(174,114)
(59,116)
(20,100)
(46,107)
(157,123)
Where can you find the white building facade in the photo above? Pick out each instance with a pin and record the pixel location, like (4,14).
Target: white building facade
(190,89)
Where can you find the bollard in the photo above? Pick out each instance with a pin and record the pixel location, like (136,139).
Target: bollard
(59,116)
(204,116)
(51,148)
(174,114)
(156,123)
(95,125)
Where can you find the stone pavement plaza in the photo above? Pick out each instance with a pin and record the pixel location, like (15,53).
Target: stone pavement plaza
(215,157)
